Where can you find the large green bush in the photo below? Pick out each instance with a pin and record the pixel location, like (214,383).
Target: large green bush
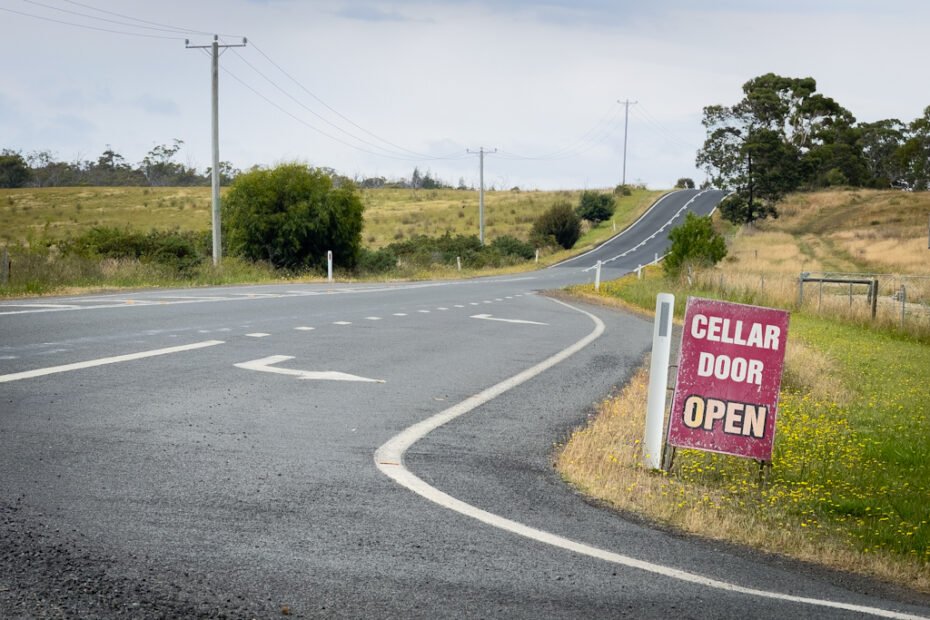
(291,216)
(596,207)
(694,242)
(559,225)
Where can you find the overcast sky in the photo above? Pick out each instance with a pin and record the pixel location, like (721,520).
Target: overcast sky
(377,88)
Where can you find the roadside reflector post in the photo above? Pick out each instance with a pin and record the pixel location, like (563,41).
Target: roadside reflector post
(458,261)
(329,265)
(658,380)
(639,272)
(656,261)
(615,226)
(597,277)
(537,255)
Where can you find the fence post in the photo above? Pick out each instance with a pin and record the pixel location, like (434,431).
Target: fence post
(874,300)
(903,304)
(5,267)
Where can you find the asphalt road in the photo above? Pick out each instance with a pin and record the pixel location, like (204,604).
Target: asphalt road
(244,451)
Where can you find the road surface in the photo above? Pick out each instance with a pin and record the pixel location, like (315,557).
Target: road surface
(257,451)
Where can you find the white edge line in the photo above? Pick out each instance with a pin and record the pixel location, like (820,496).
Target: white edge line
(39,372)
(619,234)
(389,459)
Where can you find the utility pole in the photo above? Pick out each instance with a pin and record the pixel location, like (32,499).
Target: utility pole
(481,153)
(626,121)
(215,73)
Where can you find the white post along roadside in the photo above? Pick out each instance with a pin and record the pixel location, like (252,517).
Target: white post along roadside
(329,265)
(658,381)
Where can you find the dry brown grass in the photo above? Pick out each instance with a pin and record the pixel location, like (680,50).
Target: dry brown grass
(853,230)
(604,460)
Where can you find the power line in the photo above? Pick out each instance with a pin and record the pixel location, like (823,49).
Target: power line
(319,116)
(591,138)
(142,21)
(660,129)
(417,155)
(87,27)
(309,125)
(102,19)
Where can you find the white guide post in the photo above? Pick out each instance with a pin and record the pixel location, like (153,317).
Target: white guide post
(658,380)
(329,265)
(597,277)
(458,262)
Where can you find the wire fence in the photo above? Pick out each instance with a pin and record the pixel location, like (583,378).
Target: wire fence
(887,300)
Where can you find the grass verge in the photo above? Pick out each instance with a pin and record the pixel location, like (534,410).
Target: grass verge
(850,480)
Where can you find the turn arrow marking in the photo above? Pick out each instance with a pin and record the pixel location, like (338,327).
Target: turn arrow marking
(488,317)
(266,364)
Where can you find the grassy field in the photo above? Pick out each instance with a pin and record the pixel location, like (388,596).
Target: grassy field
(36,218)
(850,480)
(56,213)
(839,230)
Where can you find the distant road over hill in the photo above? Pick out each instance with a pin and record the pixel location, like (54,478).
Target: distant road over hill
(265,450)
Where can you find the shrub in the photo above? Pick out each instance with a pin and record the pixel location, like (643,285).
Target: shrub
(684,183)
(376,261)
(596,207)
(181,252)
(559,225)
(694,242)
(291,216)
(511,246)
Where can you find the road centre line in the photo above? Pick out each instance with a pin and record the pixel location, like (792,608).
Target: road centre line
(39,372)
(389,459)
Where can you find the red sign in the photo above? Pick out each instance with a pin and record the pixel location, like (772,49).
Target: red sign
(729,375)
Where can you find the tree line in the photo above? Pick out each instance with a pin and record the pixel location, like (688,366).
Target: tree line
(784,136)
(157,168)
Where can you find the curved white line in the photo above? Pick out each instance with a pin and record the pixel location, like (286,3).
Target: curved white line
(619,234)
(389,459)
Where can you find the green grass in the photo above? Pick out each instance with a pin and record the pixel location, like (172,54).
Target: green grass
(850,463)
(52,214)
(36,218)
(397,214)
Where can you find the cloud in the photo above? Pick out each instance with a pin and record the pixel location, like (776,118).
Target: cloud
(368,13)
(156,105)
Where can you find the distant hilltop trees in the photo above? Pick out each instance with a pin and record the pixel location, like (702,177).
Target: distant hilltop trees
(784,136)
(157,168)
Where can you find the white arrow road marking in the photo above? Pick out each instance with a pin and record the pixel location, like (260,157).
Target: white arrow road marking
(488,317)
(266,364)
(29,374)
(389,459)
